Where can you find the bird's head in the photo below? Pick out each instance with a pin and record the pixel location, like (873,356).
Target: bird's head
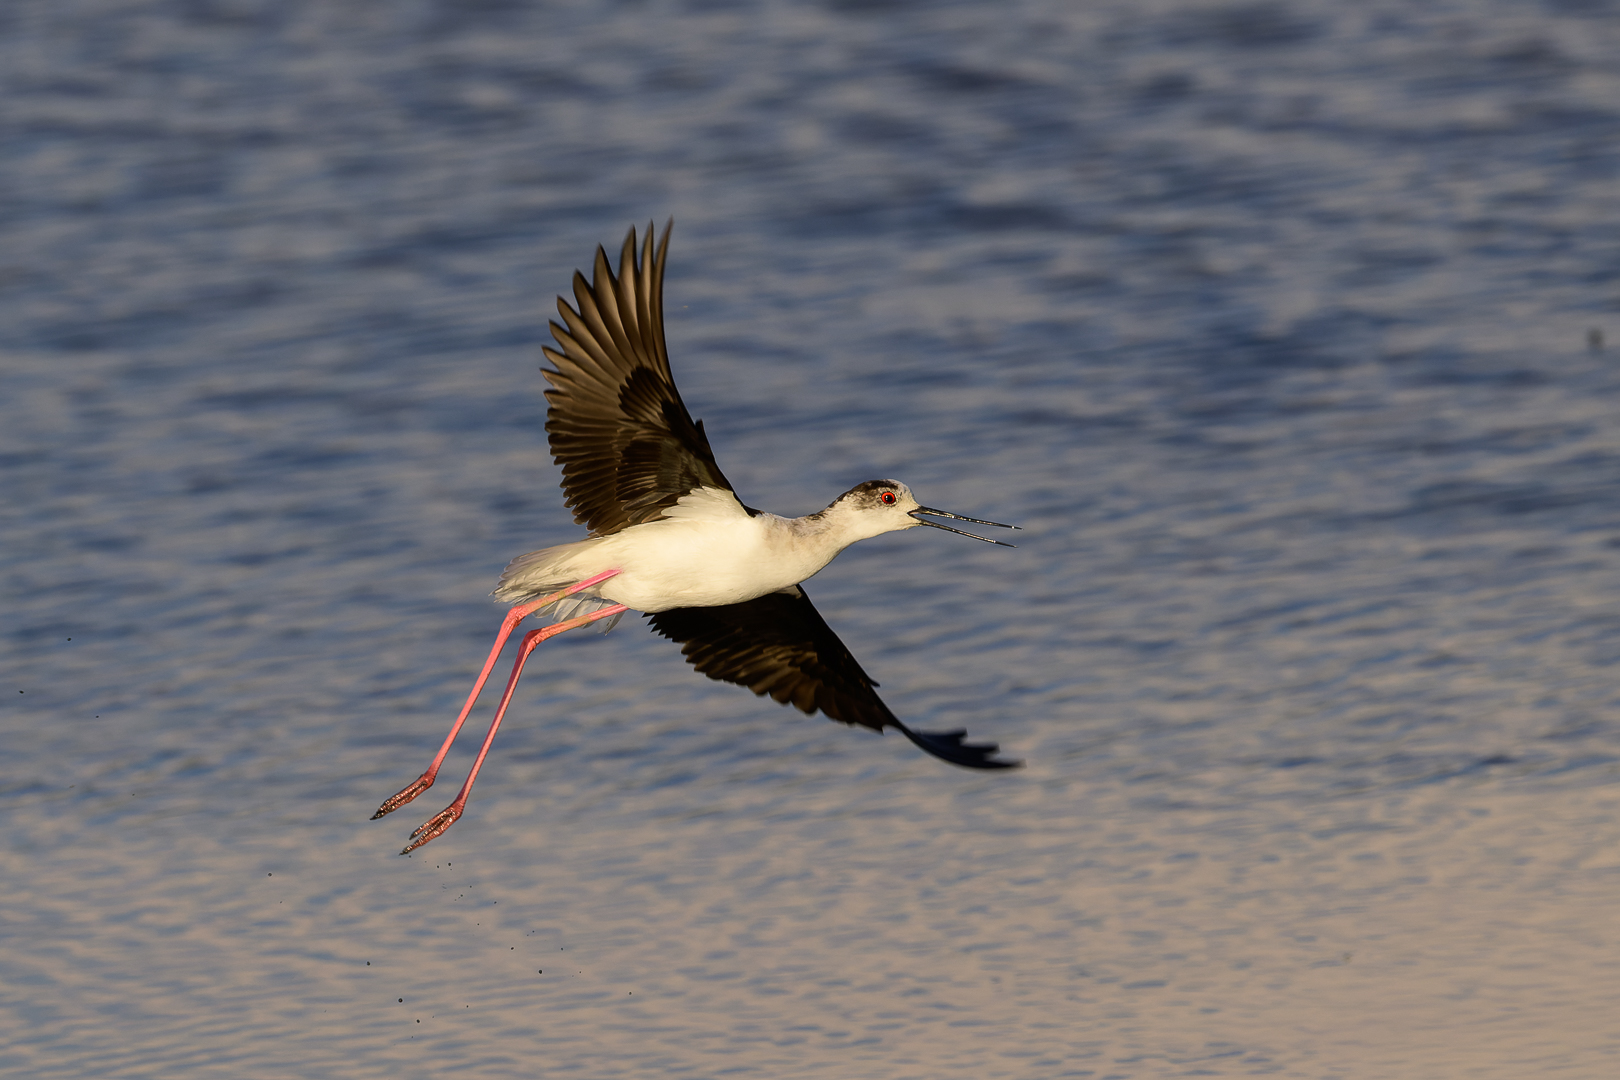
(880,506)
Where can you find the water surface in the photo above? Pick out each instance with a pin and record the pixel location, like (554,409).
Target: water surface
(1288,331)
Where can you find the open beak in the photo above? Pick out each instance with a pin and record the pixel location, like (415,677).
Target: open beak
(958,517)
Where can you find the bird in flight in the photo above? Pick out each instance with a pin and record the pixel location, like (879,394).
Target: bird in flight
(669,537)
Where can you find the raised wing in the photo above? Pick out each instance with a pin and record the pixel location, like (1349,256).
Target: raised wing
(627,446)
(778,644)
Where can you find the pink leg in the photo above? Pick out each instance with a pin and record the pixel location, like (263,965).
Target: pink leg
(513,617)
(447,817)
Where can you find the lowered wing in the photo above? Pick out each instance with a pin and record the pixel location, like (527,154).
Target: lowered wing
(778,644)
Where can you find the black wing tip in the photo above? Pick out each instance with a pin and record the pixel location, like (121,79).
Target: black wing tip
(948,746)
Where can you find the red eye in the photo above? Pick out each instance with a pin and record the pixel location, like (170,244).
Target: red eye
(887,498)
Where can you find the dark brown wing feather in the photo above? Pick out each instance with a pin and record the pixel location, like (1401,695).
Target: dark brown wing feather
(778,644)
(627,446)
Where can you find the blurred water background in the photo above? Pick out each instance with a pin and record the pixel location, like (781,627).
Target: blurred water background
(1290,332)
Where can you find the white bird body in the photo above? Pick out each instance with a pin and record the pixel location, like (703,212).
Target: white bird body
(706,551)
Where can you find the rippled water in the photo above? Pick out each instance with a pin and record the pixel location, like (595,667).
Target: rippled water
(1287,330)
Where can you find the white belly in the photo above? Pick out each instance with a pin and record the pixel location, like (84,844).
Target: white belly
(706,551)
(702,563)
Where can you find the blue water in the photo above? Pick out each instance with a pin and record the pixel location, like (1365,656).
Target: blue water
(1290,332)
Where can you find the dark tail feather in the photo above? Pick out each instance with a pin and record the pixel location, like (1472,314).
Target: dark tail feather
(948,746)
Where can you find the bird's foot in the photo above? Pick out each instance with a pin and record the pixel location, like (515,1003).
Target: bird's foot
(434,826)
(400,798)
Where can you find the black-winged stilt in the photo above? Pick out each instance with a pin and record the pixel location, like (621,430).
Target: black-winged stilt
(669,537)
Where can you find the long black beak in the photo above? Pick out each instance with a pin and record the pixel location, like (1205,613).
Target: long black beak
(958,517)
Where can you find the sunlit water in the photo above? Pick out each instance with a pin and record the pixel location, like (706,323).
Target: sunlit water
(1288,331)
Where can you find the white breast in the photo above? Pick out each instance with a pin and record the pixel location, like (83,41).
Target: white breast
(705,552)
